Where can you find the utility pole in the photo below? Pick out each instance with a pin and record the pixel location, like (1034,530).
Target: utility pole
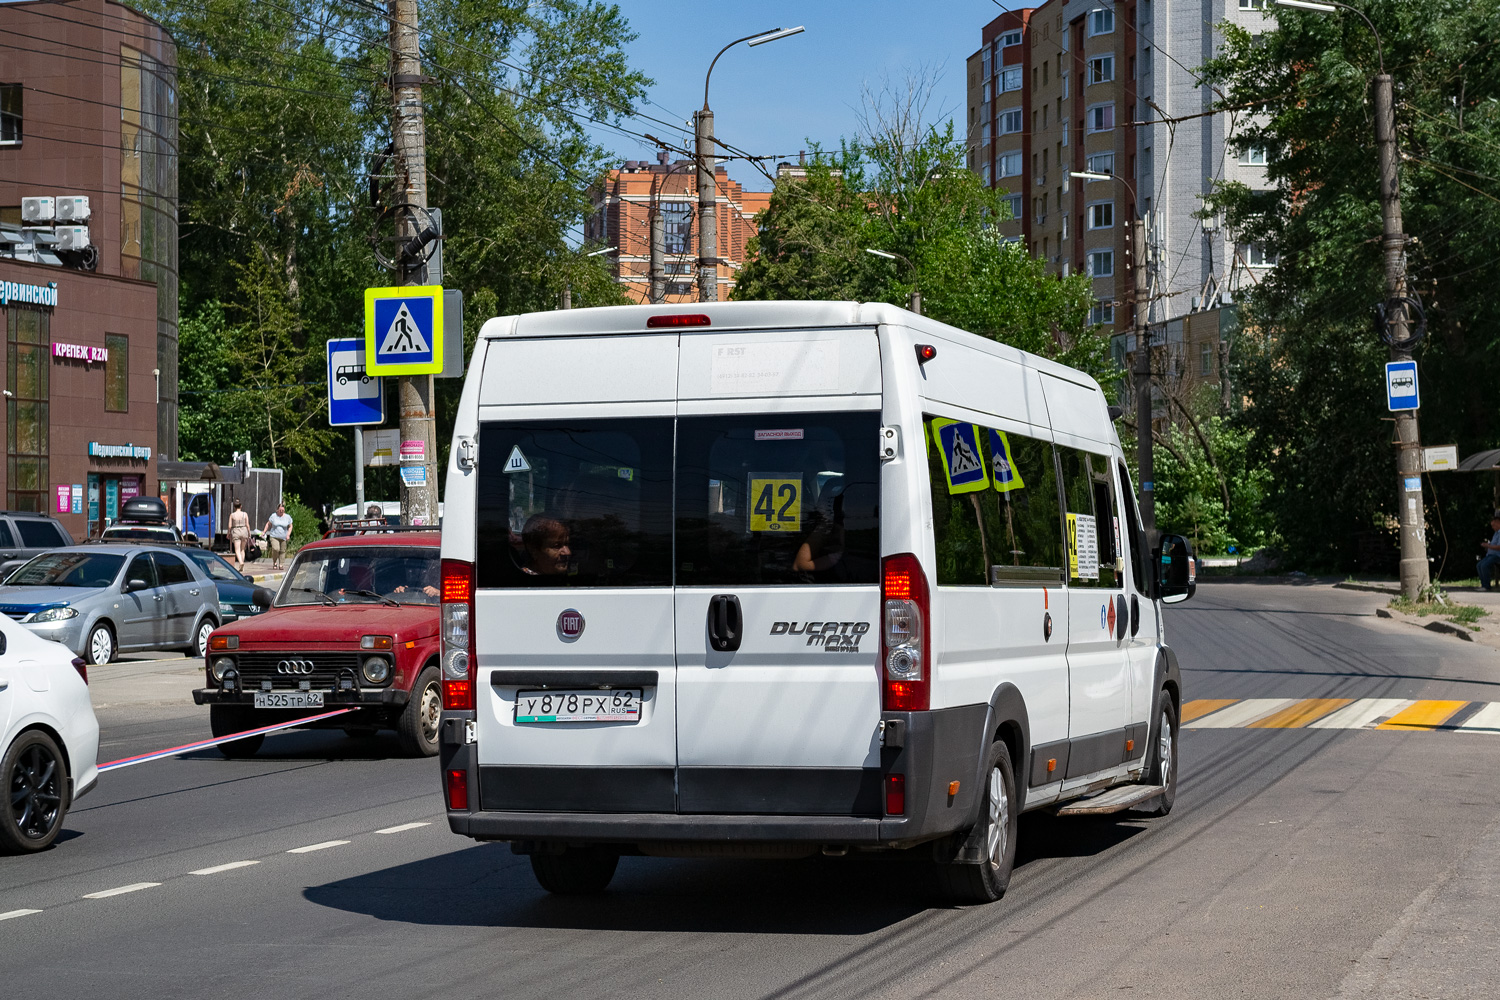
(419,503)
(1414,570)
(1143,383)
(658,252)
(708,223)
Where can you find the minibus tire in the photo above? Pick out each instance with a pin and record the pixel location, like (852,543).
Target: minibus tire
(985,880)
(1166,722)
(576,871)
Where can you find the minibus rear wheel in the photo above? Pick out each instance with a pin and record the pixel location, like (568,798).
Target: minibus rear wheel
(986,879)
(575,871)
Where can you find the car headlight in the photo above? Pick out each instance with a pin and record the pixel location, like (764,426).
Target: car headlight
(220,665)
(226,606)
(377,669)
(55,614)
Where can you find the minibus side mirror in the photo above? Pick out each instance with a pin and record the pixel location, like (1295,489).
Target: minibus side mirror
(1176,570)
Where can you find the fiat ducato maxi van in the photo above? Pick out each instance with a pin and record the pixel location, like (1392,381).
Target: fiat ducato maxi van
(771,579)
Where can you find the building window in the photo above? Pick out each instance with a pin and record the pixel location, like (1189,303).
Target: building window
(677,222)
(1010,164)
(1101,22)
(1256,255)
(1102,264)
(1011,38)
(1102,313)
(984,63)
(1252,4)
(1101,69)
(679,267)
(680,288)
(984,134)
(984,173)
(1011,79)
(10,113)
(1013,203)
(117,373)
(1012,121)
(1146,61)
(1205,358)
(1102,215)
(28,371)
(1065,132)
(1101,117)
(1101,163)
(1254,156)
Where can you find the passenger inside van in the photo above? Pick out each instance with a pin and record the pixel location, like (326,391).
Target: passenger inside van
(544,541)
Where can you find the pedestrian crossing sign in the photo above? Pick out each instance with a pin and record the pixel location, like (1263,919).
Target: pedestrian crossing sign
(958,448)
(1003,464)
(404,330)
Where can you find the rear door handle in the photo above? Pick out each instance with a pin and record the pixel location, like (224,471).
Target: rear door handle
(194,592)
(725,623)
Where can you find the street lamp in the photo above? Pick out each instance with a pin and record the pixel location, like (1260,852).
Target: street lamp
(1146,465)
(595,253)
(916,296)
(703,133)
(1414,570)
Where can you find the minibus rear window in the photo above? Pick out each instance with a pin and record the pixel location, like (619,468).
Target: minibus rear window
(577,503)
(786,498)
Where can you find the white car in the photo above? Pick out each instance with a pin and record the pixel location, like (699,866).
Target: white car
(49,738)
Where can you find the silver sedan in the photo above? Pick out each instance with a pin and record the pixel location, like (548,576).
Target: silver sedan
(100,600)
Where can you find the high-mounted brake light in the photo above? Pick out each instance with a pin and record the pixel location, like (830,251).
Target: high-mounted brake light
(677,319)
(458,635)
(903,646)
(925,353)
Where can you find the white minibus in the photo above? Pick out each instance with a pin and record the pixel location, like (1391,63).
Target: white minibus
(768,579)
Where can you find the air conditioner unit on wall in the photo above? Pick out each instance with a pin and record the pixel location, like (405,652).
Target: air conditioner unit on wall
(73,208)
(38,209)
(72,237)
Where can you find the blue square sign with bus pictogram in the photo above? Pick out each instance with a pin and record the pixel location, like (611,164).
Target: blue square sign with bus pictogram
(404,330)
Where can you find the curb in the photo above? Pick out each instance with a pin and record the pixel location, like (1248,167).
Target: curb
(1373,588)
(1445,627)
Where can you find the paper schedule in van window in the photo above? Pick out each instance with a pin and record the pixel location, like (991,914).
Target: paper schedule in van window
(774,367)
(1083,547)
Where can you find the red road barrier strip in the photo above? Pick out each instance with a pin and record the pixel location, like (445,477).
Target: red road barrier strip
(205,744)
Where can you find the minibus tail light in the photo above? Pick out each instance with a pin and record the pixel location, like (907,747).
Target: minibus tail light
(458,790)
(895,795)
(904,630)
(458,635)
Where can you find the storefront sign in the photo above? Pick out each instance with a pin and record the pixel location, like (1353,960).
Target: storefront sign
(132,451)
(130,487)
(36,295)
(64,499)
(79,352)
(78,498)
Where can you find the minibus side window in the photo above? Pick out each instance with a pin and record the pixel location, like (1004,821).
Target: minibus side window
(1091,522)
(964,527)
(1139,561)
(575,503)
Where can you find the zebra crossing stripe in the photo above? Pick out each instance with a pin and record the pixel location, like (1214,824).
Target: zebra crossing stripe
(1200,707)
(1390,714)
(1424,715)
(1486,720)
(1300,714)
(1242,713)
(1362,713)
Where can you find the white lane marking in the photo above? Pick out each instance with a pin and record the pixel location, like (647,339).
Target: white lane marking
(1240,714)
(1362,713)
(317,847)
(122,890)
(1486,720)
(224,868)
(402,828)
(10,914)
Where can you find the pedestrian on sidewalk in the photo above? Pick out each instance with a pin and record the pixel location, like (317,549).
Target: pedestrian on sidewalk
(278,532)
(239,534)
(1491,558)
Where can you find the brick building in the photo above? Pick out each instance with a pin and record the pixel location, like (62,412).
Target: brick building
(622,218)
(88,291)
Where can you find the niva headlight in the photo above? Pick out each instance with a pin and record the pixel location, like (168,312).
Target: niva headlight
(54,614)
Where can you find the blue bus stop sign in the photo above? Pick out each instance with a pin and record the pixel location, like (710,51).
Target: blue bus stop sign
(355,396)
(1401,385)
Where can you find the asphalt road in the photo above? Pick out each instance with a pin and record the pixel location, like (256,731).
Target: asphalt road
(1299,862)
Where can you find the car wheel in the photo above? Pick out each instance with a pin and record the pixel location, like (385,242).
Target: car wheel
(986,878)
(226,720)
(100,647)
(1161,764)
(577,871)
(36,786)
(200,644)
(418,725)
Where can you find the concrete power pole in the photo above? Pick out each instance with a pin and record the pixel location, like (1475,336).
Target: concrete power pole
(658,252)
(708,223)
(1414,570)
(419,503)
(1143,383)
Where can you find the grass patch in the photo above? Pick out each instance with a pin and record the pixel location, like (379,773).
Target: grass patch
(1458,614)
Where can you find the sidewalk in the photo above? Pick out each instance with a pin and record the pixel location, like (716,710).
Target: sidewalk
(1485,631)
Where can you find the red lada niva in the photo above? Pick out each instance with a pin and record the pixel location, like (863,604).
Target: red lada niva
(354,625)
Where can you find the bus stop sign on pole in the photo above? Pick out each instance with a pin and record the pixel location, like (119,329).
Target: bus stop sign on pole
(404,330)
(355,395)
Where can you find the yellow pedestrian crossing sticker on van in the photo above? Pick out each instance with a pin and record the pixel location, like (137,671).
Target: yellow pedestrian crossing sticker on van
(776,502)
(958,446)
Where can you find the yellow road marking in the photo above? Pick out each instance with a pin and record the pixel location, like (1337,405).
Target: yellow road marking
(1298,715)
(1423,715)
(1202,706)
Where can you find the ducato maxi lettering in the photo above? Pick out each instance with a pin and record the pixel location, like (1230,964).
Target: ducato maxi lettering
(834,637)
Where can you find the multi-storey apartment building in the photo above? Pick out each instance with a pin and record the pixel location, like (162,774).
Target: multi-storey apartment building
(622,219)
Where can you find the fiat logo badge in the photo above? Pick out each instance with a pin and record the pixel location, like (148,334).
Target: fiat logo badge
(569,625)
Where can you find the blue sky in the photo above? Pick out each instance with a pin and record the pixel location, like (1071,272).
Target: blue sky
(774,97)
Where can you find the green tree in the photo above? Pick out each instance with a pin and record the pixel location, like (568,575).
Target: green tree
(1310,364)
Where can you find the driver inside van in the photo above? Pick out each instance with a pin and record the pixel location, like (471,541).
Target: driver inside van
(544,541)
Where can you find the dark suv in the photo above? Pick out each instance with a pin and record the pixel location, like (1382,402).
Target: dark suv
(24,534)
